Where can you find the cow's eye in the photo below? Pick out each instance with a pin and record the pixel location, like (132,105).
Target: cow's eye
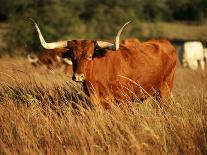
(89,57)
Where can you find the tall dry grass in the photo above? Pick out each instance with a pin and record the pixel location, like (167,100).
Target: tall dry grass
(44,112)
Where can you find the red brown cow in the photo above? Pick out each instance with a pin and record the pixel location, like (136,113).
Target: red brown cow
(120,70)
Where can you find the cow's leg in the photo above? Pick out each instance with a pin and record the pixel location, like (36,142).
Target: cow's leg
(98,100)
(193,64)
(98,94)
(202,64)
(105,97)
(167,86)
(90,92)
(185,63)
(205,60)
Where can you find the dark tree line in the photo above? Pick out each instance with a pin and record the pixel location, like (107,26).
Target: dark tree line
(61,19)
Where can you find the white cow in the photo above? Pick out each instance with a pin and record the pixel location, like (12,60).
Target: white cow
(193,54)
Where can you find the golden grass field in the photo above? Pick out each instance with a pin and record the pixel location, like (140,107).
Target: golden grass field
(44,112)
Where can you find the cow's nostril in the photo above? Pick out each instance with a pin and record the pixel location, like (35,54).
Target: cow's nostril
(82,76)
(78,77)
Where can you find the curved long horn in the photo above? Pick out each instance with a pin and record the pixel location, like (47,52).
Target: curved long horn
(67,61)
(53,45)
(104,44)
(118,35)
(115,46)
(32,60)
(58,58)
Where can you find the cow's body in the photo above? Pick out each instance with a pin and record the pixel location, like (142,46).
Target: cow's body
(131,72)
(193,54)
(52,59)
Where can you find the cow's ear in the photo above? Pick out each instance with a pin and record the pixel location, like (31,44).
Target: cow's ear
(96,45)
(99,53)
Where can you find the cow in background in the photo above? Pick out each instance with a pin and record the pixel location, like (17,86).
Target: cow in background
(120,71)
(193,55)
(50,58)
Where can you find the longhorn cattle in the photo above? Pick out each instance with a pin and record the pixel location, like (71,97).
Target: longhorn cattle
(120,71)
(193,54)
(50,58)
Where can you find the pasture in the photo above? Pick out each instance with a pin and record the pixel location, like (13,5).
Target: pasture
(45,112)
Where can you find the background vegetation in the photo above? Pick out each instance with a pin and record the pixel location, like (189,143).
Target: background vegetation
(92,19)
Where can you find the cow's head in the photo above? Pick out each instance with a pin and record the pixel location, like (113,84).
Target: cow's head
(81,52)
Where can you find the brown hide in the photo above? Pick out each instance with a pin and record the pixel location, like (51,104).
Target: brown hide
(131,42)
(49,57)
(132,71)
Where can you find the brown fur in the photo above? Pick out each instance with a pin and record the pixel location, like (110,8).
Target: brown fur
(49,57)
(131,42)
(132,71)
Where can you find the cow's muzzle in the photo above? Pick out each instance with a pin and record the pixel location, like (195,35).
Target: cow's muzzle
(78,77)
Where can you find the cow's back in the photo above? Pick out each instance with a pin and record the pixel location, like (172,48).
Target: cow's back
(193,50)
(129,69)
(130,42)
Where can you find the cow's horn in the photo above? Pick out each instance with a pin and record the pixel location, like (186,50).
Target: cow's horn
(104,44)
(32,59)
(67,61)
(114,46)
(118,35)
(53,45)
